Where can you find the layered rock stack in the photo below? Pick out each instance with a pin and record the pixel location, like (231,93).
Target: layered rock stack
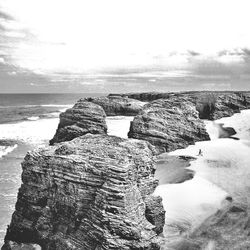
(85,117)
(93,192)
(169,124)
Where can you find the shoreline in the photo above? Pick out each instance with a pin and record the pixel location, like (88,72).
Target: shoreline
(229,205)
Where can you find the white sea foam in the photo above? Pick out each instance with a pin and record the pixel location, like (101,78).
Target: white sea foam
(4,150)
(34,132)
(119,125)
(33,118)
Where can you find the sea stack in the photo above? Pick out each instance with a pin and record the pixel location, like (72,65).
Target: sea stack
(94,192)
(84,117)
(169,124)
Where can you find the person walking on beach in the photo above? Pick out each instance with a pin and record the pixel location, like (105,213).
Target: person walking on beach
(200,153)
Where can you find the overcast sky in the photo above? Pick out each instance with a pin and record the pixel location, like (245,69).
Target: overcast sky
(124,46)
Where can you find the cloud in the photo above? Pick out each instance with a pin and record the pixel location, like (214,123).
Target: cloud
(4,15)
(2,60)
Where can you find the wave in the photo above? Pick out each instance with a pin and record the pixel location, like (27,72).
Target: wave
(33,118)
(4,150)
(56,105)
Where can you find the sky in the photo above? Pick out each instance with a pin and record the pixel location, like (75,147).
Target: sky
(124,45)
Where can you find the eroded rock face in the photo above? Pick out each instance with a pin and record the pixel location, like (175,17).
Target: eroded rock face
(89,193)
(215,106)
(169,124)
(84,117)
(117,105)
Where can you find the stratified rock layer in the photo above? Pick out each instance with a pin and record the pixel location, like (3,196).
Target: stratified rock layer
(117,105)
(90,193)
(169,124)
(85,117)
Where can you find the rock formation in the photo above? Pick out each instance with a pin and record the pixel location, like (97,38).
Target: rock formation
(169,124)
(94,192)
(210,105)
(213,106)
(117,105)
(85,117)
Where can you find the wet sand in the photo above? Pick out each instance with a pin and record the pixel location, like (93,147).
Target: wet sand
(173,169)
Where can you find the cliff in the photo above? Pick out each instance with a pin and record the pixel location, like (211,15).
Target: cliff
(210,105)
(168,124)
(93,192)
(84,117)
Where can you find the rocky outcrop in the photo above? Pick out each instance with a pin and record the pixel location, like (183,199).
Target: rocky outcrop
(169,124)
(117,105)
(94,192)
(210,105)
(85,117)
(213,106)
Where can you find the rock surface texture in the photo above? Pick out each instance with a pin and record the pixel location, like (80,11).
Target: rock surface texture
(93,192)
(169,124)
(117,105)
(84,117)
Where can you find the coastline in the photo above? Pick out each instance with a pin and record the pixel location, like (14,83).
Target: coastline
(204,206)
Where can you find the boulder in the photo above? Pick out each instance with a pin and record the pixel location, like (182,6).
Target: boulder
(155,212)
(84,117)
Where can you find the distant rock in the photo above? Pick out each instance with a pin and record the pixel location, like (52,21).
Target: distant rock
(85,117)
(169,124)
(117,105)
(214,106)
(94,192)
(211,105)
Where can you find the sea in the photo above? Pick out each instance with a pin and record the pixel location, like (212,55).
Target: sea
(28,121)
